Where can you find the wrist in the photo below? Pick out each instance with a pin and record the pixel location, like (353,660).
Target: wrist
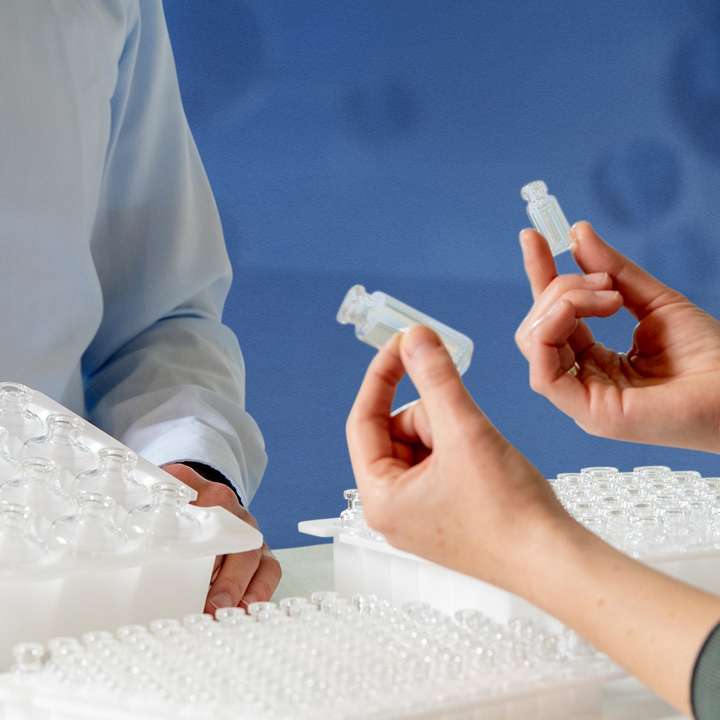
(553,548)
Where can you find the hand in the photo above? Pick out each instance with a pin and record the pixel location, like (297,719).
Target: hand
(665,390)
(238,579)
(438,479)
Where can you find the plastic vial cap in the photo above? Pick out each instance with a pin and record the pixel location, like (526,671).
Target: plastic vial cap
(255,608)
(29,657)
(231,616)
(547,216)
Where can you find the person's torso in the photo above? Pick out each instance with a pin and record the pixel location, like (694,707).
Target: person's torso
(58,71)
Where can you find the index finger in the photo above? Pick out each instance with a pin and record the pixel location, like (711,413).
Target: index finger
(642,292)
(368,426)
(538,260)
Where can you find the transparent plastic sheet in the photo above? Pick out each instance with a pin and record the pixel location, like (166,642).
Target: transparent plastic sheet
(73,555)
(317,657)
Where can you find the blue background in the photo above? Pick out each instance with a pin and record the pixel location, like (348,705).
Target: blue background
(386,143)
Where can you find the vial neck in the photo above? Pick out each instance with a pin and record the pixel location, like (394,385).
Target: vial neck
(63,429)
(97,507)
(14,398)
(116,463)
(169,495)
(15,517)
(355,307)
(38,470)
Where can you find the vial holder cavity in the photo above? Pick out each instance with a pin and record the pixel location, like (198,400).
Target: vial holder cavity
(547,216)
(378,316)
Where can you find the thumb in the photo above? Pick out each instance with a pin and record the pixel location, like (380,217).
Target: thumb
(435,376)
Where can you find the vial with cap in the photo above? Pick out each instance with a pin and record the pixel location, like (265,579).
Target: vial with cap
(547,216)
(378,316)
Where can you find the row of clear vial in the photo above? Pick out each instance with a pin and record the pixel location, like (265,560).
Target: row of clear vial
(649,511)
(323,656)
(58,498)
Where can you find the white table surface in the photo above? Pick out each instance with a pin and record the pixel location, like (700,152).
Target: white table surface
(310,568)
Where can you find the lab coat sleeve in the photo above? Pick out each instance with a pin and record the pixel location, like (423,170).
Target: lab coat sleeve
(164,374)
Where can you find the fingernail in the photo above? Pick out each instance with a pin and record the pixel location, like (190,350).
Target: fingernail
(222,600)
(605,294)
(523,236)
(580,228)
(417,341)
(597,279)
(249,599)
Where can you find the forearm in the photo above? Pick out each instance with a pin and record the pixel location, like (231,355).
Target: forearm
(650,624)
(176,393)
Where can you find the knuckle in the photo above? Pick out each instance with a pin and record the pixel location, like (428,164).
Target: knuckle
(262,589)
(537,384)
(219,494)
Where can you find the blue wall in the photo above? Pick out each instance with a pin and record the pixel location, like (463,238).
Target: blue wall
(386,143)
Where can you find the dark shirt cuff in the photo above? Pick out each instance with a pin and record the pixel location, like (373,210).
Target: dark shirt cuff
(705,686)
(210,473)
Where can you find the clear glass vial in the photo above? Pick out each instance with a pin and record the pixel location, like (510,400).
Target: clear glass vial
(16,416)
(378,316)
(168,518)
(114,476)
(62,443)
(92,530)
(19,543)
(352,519)
(37,485)
(547,216)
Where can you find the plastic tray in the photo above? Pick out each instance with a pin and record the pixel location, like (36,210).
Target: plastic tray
(363,565)
(330,658)
(68,595)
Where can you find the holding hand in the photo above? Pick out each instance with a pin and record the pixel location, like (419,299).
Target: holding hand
(664,390)
(242,578)
(438,479)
